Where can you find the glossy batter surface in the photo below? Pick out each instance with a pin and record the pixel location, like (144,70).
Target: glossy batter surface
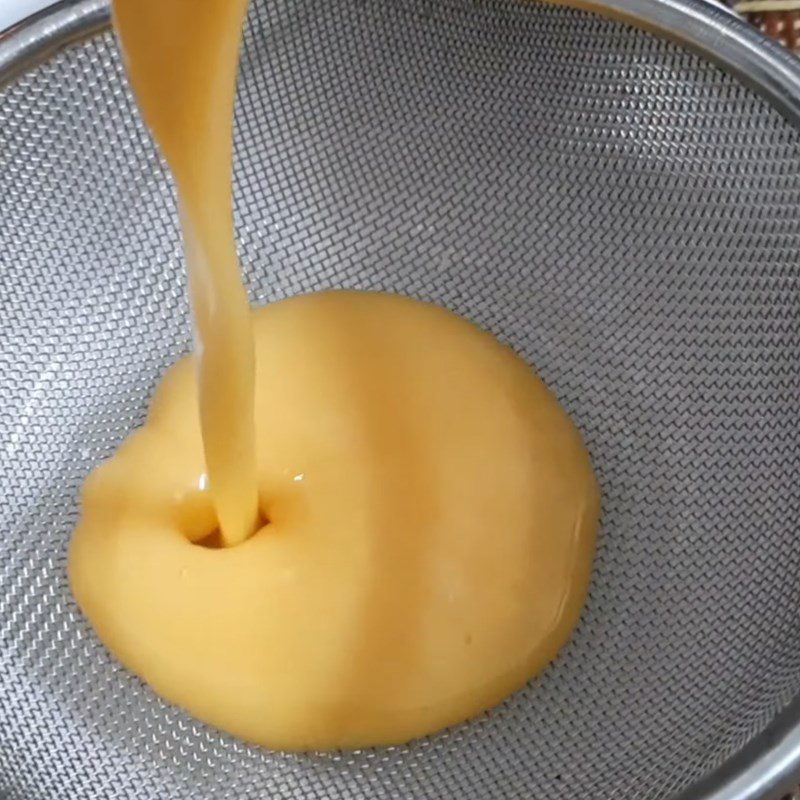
(431,516)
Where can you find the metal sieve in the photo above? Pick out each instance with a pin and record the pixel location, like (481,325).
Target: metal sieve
(620,210)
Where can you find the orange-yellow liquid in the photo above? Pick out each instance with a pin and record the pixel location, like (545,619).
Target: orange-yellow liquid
(181,57)
(350,519)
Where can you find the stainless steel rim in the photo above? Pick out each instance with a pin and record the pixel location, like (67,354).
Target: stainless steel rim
(770,763)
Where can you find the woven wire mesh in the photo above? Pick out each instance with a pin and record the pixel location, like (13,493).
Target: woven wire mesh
(620,211)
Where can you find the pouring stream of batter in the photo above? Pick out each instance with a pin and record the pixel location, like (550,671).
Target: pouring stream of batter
(181,57)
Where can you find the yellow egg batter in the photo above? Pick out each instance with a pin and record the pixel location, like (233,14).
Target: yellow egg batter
(431,525)
(350,519)
(181,57)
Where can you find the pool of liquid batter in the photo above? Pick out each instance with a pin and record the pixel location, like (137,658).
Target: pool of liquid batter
(350,518)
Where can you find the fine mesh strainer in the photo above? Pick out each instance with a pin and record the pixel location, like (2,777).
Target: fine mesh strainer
(620,210)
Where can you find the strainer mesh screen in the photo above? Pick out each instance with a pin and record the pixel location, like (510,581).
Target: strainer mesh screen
(619,210)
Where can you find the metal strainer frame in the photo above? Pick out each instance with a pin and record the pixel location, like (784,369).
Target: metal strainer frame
(770,763)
